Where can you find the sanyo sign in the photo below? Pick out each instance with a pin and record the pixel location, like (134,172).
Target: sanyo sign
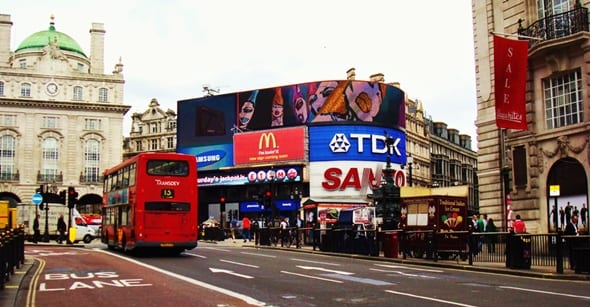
(355,143)
(349,178)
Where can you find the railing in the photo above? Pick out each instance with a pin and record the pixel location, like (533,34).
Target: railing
(556,26)
(49,178)
(90,179)
(12,253)
(9,176)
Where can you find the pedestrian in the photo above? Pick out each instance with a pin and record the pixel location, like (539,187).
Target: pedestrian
(518,225)
(284,232)
(254,226)
(491,238)
(584,214)
(61,228)
(36,230)
(561,217)
(246,229)
(571,229)
(232,229)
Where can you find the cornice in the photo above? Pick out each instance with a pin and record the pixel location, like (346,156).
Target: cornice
(58,105)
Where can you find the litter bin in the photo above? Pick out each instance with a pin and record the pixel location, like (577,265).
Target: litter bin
(519,255)
(264,236)
(390,245)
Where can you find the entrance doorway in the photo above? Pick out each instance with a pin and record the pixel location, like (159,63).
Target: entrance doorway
(567,195)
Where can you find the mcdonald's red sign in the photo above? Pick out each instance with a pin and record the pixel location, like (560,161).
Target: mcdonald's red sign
(273,145)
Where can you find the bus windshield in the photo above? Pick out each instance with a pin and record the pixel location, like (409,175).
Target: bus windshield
(167,168)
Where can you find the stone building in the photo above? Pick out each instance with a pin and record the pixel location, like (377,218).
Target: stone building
(61,115)
(152,130)
(529,172)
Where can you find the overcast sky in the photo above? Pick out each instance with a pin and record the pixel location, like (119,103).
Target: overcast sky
(172,48)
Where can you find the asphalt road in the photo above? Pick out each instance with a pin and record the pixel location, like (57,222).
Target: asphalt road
(212,275)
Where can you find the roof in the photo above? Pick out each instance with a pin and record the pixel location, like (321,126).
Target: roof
(39,40)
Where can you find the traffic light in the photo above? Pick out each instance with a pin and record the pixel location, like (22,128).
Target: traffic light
(222,203)
(72,197)
(62,197)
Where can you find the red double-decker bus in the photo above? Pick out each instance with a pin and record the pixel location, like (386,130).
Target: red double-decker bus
(151,201)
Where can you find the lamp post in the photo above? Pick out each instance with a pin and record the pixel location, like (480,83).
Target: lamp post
(410,161)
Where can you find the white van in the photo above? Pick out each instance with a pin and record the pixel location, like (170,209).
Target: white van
(26,215)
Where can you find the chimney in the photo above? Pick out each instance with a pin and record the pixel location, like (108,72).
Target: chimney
(97,48)
(351,74)
(378,77)
(5,29)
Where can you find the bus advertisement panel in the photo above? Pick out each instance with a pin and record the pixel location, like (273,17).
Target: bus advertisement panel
(150,201)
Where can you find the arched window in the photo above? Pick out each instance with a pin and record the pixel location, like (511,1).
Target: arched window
(7,156)
(49,160)
(92,161)
(25,89)
(78,93)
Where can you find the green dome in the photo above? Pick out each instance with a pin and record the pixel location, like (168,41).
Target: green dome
(43,38)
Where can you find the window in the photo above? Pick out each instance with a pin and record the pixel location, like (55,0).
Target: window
(49,159)
(7,120)
(78,93)
(154,144)
(7,156)
(1,88)
(172,125)
(563,100)
(170,141)
(92,161)
(92,124)
(519,166)
(22,63)
(138,146)
(25,90)
(103,95)
(155,128)
(50,122)
(80,67)
(417,214)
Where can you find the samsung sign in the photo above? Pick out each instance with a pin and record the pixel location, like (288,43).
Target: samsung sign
(355,143)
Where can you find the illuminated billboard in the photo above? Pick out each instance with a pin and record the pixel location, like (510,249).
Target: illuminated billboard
(276,145)
(206,125)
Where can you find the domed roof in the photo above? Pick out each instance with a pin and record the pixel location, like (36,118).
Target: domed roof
(43,38)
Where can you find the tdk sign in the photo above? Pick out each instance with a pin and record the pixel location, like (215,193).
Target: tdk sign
(340,143)
(355,143)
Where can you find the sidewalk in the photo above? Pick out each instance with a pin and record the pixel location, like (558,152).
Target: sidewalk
(544,272)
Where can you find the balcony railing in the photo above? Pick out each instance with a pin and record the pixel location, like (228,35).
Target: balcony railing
(9,176)
(49,178)
(556,26)
(90,179)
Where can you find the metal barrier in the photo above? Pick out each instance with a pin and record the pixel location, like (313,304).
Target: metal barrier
(515,251)
(12,253)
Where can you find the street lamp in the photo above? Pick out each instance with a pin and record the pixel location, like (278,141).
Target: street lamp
(410,161)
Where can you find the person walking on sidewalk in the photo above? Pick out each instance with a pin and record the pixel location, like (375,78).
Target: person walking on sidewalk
(61,228)
(36,230)
(246,229)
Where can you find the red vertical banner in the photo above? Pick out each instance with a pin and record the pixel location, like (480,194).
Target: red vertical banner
(510,73)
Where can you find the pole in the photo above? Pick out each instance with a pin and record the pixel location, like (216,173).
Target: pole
(410,164)
(46,234)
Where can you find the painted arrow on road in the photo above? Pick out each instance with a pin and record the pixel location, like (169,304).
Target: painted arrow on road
(214,270)
(324,270)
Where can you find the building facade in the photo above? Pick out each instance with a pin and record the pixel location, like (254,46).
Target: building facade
(543,170)
(61,115)
(153,130)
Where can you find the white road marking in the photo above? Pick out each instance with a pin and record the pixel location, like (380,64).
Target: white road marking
(317,262)
(314,277)
(195,255)
(324,270)
(261,255)
(547,292)
(215,248)
(214,270)
(369,281)
(402,273)
(239,263)
(429,298)
(408,268)
(249,300)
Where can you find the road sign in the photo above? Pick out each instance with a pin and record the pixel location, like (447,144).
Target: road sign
(37,198)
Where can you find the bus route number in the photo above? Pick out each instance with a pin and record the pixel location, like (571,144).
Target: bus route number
(167,193)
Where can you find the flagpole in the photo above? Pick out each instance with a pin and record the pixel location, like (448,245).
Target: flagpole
(517,35)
